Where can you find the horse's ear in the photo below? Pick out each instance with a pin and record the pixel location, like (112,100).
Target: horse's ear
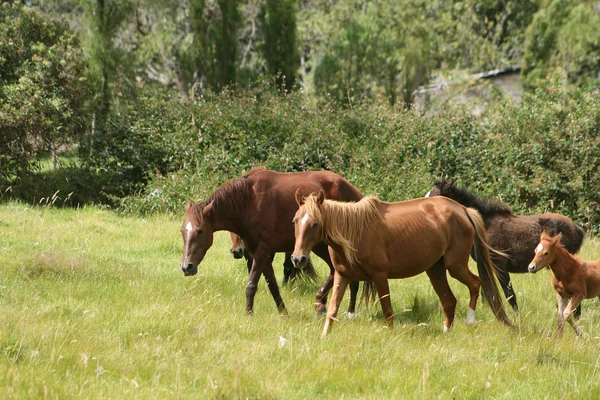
(556,238)
(208,208)
(545,236)
(320,197)
(188,205)
(299,197)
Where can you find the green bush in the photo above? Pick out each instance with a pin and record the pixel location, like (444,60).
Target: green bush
(44,89)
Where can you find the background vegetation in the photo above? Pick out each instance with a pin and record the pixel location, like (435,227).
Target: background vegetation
(153,101)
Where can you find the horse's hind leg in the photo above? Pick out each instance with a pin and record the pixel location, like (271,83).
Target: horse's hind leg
(569,311)
(352,305)
(507,288)
(439,281)
(462,273)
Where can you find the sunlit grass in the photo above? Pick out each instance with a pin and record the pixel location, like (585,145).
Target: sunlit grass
(93,305)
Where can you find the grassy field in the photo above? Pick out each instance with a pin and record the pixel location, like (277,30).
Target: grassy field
(93,305)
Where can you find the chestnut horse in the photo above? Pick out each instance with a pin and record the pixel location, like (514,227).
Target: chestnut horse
(515,235)
(238,250)
(573,279)
(259,207)
(376,241)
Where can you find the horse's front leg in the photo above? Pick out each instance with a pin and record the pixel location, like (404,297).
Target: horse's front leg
(339,287)
(562,305)
(570,311)
(383,290)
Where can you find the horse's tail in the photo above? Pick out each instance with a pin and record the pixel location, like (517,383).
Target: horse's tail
(369,293)
(486,267)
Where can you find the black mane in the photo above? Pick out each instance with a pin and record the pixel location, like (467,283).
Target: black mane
(486,207)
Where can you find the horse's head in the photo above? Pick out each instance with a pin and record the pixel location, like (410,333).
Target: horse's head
(197,235)
(306,227)
(237,246)
(442,187)
(544,252)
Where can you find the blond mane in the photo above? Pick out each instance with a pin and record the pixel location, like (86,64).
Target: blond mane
(342,223)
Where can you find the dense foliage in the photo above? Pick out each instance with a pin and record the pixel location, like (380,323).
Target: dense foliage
(178,108)
(541,155)
(44,88)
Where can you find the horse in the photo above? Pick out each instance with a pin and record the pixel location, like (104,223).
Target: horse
(259,207)
(238,250)
(376,241)
(573,278)
(515,235)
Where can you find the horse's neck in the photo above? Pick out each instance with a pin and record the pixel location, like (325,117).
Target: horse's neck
(564,263)
(227,220)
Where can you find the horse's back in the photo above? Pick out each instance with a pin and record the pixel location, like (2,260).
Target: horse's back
(285,184)
(416,233)
(572,234)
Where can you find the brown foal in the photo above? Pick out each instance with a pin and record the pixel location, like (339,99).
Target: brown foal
(573,278)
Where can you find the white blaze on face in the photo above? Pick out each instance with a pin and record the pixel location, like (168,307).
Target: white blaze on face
(428,193)
(189,228)
(539,248)
(304,219)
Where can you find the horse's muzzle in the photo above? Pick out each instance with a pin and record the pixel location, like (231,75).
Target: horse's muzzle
(532,268)
(189,269)
(237,253)
(299,261)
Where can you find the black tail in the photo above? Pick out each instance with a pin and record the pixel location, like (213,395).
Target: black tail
(486,268)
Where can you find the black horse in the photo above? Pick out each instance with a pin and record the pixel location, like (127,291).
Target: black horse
(515,235)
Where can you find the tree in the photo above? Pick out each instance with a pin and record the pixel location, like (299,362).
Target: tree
(44,91)
(279,48)
(105,19)
(563,39)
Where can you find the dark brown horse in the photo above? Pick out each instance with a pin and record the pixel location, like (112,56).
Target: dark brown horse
(573,279)
(238,251)
(515,235)
(372,240)
(259,207)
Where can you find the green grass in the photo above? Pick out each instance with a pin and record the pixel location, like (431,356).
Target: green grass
(93,305)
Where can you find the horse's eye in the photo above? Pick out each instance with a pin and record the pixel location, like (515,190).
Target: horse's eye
(314,225)
(546,253)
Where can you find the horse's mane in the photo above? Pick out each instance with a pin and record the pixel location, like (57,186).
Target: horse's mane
(546,236)
(448,189)
(342,223)
(232,195)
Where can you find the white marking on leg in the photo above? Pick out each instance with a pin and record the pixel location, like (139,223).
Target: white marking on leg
(446,329)
(304,219)
(351,315)
(428,193)
(470,316)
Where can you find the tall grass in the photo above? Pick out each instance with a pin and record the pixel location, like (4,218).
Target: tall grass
(93,305)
